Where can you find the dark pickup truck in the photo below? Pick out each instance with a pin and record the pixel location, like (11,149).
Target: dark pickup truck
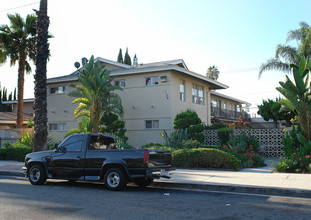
(94,157)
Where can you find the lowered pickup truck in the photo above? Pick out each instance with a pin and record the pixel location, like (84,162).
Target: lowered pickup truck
(94,157)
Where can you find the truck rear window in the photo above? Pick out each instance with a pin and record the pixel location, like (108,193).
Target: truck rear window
(101,143)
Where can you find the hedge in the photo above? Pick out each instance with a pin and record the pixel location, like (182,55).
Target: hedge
(18,152)
(205,158)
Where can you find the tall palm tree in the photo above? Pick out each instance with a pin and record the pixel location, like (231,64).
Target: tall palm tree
(40,106)
(17,42)
(286,54)
(96,95)
(212,72)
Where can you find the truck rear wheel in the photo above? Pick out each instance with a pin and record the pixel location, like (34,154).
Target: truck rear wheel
(37,175)
(143,182)
(115,179)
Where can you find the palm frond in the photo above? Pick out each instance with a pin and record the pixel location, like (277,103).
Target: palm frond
(273,64)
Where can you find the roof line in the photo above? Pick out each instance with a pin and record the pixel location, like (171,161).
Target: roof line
(229,97)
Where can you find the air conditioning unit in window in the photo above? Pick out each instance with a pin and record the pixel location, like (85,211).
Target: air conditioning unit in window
(163,79)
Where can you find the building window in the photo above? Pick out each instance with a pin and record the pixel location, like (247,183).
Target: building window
(57,127)
(182,90)
(58,89)
(197,94)
(150,81)
(225,105)
(120,83)
(214,103)
(151,124)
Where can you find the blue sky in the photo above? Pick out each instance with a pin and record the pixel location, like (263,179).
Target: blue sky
(236,36)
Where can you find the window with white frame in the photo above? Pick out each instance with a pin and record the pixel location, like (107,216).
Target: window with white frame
(120,83)
(153,80)
(57,127)
(225,105)
(197,94)
(149,124)
(58,89)
(182,91)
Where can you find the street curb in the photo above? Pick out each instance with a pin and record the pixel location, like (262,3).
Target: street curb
(235,188)
(12,173)
(215,187)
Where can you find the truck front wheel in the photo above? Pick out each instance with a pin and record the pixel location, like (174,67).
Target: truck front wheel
(37,175)
(115,179)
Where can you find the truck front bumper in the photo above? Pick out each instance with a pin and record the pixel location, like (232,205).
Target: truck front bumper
(25,171)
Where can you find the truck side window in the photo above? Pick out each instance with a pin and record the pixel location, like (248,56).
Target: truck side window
(110,143)
(97,143)
(73,143)
(75,146)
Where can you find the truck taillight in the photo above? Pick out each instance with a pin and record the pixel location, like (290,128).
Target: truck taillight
(146,156)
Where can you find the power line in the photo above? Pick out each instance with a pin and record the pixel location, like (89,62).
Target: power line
(19,7)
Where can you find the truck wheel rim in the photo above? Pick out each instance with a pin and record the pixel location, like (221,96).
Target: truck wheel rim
(113,179)
(35,175)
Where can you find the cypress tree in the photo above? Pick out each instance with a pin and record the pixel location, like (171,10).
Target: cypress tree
(1,105)
(127,58)
(120,57)
(14,97)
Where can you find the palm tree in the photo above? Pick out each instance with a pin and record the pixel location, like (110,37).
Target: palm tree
(40,106)
(286,54)
(212,72)
(17,42)
(96,95)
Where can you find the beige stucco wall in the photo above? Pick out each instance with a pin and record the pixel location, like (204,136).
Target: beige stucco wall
(61,110)
(180,106)
(28,108)
(158,102)
(142,103)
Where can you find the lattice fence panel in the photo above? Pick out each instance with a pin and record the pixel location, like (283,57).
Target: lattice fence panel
(270,140)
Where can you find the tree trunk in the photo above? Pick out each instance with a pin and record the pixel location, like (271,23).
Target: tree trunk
(40,106)
(20,88)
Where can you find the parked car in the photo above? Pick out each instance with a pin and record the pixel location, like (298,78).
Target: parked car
(94,157)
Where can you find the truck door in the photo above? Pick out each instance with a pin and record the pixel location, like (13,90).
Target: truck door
(68,162)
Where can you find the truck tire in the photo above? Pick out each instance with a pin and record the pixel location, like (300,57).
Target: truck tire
(37,175)
(115,179)
(143,182)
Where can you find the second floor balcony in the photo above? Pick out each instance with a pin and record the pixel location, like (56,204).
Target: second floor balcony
(229,115)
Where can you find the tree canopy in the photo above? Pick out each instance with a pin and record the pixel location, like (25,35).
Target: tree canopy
(17,43)
(287,54)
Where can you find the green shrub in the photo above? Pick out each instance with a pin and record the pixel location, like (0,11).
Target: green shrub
(189,144)
(245,148)
(176,139)
(224,135)
(205,158)
(191,121)
(216,126)
(17,152)
(286,165)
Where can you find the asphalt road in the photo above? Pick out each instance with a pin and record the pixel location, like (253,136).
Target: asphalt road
(63,200)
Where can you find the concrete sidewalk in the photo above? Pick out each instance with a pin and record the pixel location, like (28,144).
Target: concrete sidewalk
(251,180)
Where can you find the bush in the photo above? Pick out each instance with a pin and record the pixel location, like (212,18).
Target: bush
(17,152)
(245,148)
(176,139)
(224,135)
(216,126)
(205,158)
(190,144)
(297,152)
(190,120)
